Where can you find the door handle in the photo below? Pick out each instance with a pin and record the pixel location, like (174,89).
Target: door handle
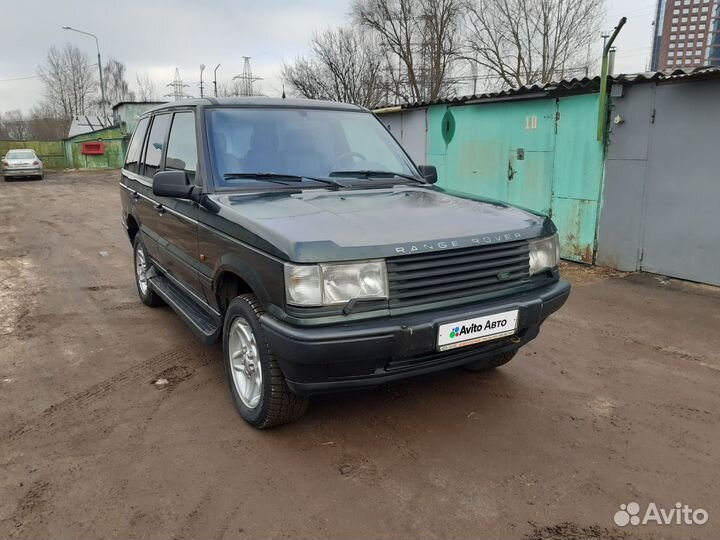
(160,209)
(136,196)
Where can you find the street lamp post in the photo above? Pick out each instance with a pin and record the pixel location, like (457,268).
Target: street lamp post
(97,45)
(215,79)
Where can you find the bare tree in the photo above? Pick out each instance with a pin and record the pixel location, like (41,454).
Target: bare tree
(425,38)
(532,41)
(229,88)
(15,125)
(146,88)
(70,85)
(45,123)
(343,65)
(117,88)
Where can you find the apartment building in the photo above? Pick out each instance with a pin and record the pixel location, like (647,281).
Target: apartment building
(687,34)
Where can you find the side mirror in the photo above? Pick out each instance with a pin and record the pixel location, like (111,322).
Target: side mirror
(429,172)
(172,184)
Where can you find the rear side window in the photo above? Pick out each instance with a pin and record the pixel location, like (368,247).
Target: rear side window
(155,144)
(182,145)
(133,154)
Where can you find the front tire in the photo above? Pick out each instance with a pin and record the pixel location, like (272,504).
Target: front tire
(257,385)
(492,362)
(142,266)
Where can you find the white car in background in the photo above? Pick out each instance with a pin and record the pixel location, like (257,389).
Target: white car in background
(22,162)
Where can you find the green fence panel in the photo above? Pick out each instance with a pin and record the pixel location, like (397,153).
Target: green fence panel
(52,153)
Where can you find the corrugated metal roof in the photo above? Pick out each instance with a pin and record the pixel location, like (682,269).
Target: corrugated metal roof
(707,72)
(120,103)
(87,124)
(571,86)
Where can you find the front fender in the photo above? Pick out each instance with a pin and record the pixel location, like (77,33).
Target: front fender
(263,287)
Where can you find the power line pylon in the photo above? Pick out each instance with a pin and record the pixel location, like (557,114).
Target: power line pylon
(177,85)
(246,79)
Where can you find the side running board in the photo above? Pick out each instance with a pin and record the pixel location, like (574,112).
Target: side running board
(206,326)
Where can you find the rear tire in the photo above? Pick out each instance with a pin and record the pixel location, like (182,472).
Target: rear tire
(142,265)
(492,362)
(257,385)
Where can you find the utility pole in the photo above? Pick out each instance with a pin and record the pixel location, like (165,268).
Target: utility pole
(215,79)
(604,38)
(474,76)
(202,68)
(97,45)
(602,101)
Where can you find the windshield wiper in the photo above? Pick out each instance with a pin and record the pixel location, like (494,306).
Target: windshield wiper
(280,177)
(376,174)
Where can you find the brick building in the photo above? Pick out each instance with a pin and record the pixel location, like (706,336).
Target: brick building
(687,34)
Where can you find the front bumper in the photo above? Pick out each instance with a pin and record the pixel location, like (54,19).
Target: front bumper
(368,353)
(33,171)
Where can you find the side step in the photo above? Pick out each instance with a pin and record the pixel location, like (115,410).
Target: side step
(206,326)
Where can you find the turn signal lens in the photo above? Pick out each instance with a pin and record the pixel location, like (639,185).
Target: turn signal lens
(302,285)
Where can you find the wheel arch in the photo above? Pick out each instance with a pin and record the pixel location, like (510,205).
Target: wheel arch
(132,227)
(227,285)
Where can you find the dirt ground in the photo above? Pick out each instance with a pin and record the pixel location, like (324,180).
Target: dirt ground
(616,401)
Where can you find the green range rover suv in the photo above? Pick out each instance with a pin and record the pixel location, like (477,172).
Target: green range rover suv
(303,236)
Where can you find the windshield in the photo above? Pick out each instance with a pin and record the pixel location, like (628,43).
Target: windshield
(309,143)
(20,154)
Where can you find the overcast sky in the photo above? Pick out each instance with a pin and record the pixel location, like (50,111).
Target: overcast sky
(155,37)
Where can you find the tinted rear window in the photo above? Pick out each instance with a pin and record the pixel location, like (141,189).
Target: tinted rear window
(133,153)
(182,146)
(156,141)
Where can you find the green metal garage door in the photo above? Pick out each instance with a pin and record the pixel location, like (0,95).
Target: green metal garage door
(540,154)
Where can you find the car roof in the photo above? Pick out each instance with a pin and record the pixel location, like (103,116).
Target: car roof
(259,102)
(21,150)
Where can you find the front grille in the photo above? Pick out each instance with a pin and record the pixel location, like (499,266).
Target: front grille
(451,274)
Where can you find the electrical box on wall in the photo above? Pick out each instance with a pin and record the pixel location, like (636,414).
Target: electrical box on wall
(93,148)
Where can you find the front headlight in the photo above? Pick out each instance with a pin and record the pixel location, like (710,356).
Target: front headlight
(333,284)
(544,254)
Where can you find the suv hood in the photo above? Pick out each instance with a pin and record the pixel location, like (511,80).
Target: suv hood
(320,225)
